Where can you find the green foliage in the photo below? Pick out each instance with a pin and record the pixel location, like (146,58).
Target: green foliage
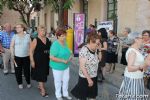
(24,7)
(67,4)
(59,6)
(53,4)
(1,7)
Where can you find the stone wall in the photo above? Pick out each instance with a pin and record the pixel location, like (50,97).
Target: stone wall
(134,14)
(10,16)
(143,15)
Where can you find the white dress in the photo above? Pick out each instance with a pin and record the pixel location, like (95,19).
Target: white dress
(132,87)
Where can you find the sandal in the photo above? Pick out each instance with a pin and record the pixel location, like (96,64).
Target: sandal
(43,93)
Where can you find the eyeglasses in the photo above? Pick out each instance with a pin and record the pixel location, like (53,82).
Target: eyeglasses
(145,35)
(139,38)
(18,27)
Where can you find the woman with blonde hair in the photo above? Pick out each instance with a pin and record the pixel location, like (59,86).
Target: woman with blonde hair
(39,57)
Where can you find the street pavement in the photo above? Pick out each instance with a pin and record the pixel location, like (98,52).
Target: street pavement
(9,89)
(107,90)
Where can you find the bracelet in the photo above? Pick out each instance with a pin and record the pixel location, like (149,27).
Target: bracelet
(139,68)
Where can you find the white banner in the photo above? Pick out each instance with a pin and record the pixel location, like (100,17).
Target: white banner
(108,25)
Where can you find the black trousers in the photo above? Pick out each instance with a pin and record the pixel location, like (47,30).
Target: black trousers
(123,58)
(22,64)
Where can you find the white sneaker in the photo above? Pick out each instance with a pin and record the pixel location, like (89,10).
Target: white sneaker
(91,99)
(28,86)
(68,97)
(20,86)
(12,72)
(60,98)
(5,72)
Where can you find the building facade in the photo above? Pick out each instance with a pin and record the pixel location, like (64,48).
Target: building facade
(124,13)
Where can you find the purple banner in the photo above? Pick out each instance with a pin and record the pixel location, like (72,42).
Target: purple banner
(79,21)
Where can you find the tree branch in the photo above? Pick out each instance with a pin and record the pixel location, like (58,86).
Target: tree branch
(23,18)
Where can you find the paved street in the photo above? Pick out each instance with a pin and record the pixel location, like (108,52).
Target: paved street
(9,89)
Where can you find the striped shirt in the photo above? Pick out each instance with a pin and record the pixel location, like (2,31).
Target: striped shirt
(5,39)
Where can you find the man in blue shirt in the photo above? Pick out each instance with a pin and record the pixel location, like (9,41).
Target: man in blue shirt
(5,40)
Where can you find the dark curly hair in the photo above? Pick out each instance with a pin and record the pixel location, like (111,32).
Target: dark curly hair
(146,31)
(104,34)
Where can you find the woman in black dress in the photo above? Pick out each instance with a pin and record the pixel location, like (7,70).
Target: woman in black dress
(101,66)
(39,56)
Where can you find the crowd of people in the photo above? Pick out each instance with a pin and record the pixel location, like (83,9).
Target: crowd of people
(33,57)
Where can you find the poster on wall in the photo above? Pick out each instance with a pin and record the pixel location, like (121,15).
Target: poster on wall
(108,25)
(79,24)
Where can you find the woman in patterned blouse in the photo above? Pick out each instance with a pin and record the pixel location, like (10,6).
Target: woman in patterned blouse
(88,62)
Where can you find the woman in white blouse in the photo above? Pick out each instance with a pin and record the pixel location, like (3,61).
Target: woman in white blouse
(132,87)
(20,45)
